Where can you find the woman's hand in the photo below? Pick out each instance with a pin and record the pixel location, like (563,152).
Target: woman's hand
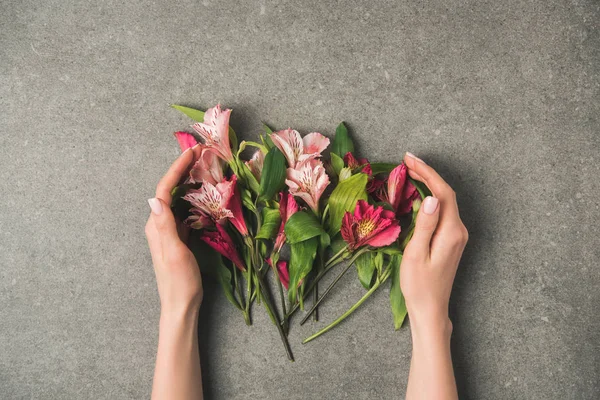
(426,275)
(432,255)
(177,273)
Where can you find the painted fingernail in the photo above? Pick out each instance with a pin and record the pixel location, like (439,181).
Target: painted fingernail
(411,155)
(155,206)
(430,204)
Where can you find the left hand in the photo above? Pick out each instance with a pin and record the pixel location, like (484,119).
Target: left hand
(177,274)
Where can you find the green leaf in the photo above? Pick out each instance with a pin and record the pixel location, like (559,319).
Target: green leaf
(302,226)
(211,264)
(342,143)
(337,243)
(246,176)
(396,298)
(337,163)
(365,267)
(273,174)
(302,257)
(198,116)
(381,168)
(391,250)
(270,223)
(344,198)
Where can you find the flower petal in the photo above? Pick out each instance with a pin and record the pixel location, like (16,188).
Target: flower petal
(185,140)
(315,143)
(290,144)
(386,236)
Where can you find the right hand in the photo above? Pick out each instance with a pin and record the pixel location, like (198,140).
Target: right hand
(431,257)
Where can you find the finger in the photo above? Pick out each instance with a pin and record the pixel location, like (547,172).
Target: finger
(164,221)
(177,170)
(426,224)
(153,240)
(429,176)
(415,176)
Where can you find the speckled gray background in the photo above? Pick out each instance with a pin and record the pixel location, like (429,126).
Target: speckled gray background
(500,96)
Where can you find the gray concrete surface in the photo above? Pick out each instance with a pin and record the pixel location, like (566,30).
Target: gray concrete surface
(500,96)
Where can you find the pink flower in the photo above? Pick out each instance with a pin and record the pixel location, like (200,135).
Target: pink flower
(235,205)
(308,181)
(255,164)
(400,192)
(219,202)
(208,168)
(215,132)
(354,163)
(369,226)
(185,140)
(222,242)
(287,207)
(282,272)
(212,200)
(299,150)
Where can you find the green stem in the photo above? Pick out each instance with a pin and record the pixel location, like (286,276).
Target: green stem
(335,281)
(326,269)
(270,311)
(350,311)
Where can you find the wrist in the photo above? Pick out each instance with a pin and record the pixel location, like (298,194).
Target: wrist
(432,324)
(179,316)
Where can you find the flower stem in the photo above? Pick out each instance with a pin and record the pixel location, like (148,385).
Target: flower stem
(351,310)
(270,311)
(335,281)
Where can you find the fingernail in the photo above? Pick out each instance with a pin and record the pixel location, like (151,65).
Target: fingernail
(411,155)
(155,206)
(430,204)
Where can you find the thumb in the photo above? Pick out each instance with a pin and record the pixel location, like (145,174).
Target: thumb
(427,220)
(164,220)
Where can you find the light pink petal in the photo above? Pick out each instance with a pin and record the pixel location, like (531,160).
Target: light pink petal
(255,164)
(185,140)
(385,237)
(290,144)
(315,143)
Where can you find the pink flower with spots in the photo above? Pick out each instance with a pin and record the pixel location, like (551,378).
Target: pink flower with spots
(219,202)
(296,149)
(308,182)
(369,226)
(212,200)
(215,132)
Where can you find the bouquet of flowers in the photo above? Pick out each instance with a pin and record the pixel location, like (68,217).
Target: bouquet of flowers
(326,211)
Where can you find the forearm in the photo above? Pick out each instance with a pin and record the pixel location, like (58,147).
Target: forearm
(177,375)
(431,375)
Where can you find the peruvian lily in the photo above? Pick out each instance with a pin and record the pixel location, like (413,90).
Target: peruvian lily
(296,149)
(219,202)
(185,140)
(287,207)
(207,169)
(399,192)
(308,181)
(212,200)
(355,163)
(369,226)
(215,132)
(198,219)
(282,272)
(255,164)
(222,243)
